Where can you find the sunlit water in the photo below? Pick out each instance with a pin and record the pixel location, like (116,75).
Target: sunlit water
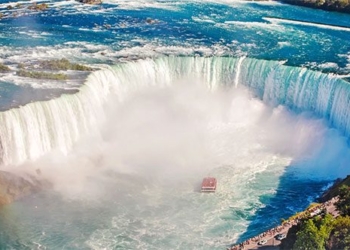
(128,152)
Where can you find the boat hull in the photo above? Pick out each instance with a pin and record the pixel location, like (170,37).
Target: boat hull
(208,185)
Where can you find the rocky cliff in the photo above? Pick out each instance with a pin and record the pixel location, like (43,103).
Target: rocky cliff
(333,5)
(14,187)
(90,1)
(334,189)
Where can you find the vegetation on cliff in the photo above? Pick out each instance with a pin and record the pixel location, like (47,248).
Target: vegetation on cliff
(90,1)
(47,69)
(35,6)
(4,68)
(32,6)
(343,205)
(334,5)
(324,231)
(63,64)
(340,238)
(314,233)
(42,75)
(320,233)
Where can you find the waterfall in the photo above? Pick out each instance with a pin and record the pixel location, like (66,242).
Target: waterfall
(238,70)
(30,131)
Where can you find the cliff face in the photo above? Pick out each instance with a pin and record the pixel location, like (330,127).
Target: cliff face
(334,189)
(13,187)
(90,1)
(333,5)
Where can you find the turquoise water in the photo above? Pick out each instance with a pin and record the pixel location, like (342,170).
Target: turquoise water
(254,94)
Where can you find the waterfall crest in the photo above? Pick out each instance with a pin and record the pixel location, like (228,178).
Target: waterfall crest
(30,131)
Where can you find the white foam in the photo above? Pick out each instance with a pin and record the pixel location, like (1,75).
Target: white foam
(347,56)
(4,5)
(94,53)
(284,44)
(65,3)
(328,65)
(164,125)
(75,52)
(150,50)
(95,29)
(324,66)
(35,34)
(142,4)
(297,22)
(202,20)
(235,2)
(259,25)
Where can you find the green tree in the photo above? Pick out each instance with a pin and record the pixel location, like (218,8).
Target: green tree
(343,205)
(325,226)
(309,237)
(340,236)
(343,3)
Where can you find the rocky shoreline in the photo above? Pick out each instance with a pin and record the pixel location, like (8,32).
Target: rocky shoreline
(14,186)
(330,199)
(334,189)
(275,238)
(329,5)
(90,1)
(290,228)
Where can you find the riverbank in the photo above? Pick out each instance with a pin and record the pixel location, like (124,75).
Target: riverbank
(269,237)
(14,187)
(334,5)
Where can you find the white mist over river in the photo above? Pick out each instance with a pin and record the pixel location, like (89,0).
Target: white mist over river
(156,139)
(252,93)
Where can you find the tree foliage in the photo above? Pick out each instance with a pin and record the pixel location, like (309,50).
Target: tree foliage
(343,205)
(325,226)
(42,75)
(309,238)
(326,232)
(314,233)
(63,64)
(340,236)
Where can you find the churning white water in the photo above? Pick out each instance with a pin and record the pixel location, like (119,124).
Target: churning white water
(139,137)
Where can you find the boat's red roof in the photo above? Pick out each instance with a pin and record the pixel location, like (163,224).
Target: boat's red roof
(209,182)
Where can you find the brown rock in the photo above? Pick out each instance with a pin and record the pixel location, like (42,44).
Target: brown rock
(14,187)
(90,1)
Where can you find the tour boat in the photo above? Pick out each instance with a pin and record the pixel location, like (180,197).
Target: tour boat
(208,184)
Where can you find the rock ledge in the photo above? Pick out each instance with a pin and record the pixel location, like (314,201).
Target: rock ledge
(14,187)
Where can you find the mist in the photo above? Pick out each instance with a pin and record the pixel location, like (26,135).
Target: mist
(168,135)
